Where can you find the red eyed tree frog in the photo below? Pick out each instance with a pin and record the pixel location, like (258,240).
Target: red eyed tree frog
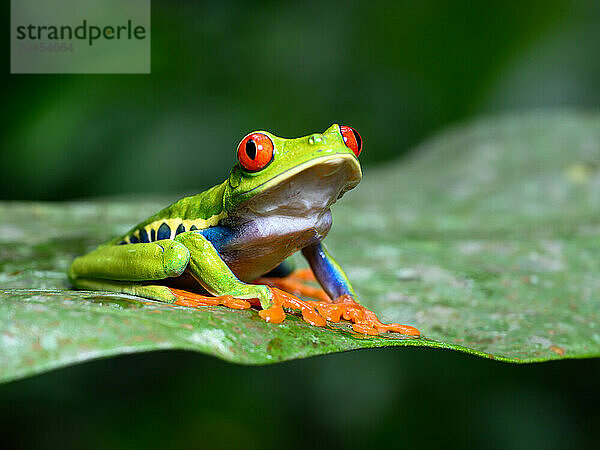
(275,202)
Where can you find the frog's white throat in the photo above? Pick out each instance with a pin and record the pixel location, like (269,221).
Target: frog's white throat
(306,190)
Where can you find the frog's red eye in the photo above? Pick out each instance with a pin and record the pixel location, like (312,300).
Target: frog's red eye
(255,151)
(351,139)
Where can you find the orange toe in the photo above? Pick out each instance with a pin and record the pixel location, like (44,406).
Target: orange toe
(282,299)
(364,320)
(192,300)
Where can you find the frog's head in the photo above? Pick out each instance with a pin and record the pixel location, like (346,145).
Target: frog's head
(300,174)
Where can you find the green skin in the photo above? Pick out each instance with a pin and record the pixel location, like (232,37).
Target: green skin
(244,228)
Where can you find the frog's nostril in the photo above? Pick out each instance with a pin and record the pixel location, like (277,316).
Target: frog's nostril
(315,139)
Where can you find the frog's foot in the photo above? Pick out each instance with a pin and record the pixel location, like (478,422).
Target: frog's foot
(315,312)
(319,312)
(282,299)
(274,314)
(193,300)
(364,320)
(295,284)
(345,307)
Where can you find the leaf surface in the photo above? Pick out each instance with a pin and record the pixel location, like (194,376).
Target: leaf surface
(487,240)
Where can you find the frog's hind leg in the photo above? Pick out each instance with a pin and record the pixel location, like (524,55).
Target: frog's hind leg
(150,291)
(132,262)
(161,293)
(131,268)
(137,269)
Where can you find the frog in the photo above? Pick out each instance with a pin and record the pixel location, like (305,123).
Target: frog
(231,245)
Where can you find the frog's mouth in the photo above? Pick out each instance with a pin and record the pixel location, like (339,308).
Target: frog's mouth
(312,186)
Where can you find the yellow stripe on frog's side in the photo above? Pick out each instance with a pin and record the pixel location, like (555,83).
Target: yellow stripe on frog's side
(173,224)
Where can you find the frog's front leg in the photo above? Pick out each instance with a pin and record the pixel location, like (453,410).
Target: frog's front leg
(335,282)
(328,272)
(207,267)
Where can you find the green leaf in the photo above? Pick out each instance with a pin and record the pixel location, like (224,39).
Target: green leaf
(487,240)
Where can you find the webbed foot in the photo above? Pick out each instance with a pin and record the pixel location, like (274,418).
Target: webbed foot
(364,320)
(274,314)
(344,307)
(318,312)
(282,299)
(193,300)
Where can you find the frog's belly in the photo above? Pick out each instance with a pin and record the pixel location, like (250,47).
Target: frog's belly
(259,246)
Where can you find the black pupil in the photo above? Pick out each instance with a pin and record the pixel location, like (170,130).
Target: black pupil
(358,140)
(251,149)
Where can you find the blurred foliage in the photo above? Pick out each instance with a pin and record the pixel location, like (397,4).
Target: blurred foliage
(394,70)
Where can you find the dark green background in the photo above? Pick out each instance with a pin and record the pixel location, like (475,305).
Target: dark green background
(396,71)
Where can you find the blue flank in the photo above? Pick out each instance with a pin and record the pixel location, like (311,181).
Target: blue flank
(217,236)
